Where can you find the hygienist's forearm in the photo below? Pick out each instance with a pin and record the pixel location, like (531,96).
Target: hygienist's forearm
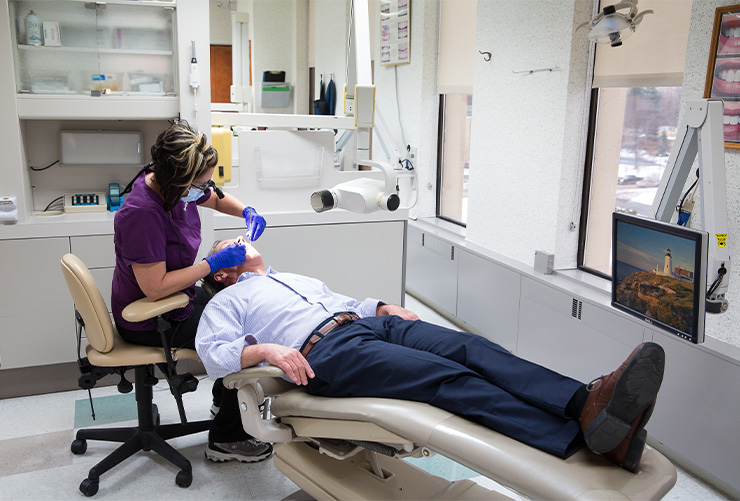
(156,282)
(229,205)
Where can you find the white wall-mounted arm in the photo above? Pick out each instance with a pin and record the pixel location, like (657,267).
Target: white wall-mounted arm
(704,136)
(241,91)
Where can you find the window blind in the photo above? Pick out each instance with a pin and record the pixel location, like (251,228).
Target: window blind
(456,46)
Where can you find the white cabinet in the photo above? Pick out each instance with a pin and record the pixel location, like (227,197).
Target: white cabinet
(98,254)
(431,269)
(488,298)
(120,47)
(36,310)
(117,57)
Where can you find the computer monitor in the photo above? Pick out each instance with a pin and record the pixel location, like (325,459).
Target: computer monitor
(659,274)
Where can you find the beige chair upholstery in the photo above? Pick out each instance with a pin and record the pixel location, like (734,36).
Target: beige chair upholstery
(418,429)
(106,349)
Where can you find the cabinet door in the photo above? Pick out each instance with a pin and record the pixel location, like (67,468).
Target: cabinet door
(124,49)
(431,268)
(488,298)
(36,311)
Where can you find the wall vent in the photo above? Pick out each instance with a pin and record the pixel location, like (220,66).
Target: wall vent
(576,309)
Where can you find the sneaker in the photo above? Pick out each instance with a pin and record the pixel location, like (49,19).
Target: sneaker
(214,410)
(246,451)
(619,404)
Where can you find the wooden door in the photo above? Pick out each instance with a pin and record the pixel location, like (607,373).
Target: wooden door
(220,73)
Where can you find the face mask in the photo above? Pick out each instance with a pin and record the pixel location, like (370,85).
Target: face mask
(193,195)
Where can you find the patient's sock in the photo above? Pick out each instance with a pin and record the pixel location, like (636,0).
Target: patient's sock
(577,402)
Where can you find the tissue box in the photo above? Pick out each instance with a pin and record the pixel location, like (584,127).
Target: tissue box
(52,35)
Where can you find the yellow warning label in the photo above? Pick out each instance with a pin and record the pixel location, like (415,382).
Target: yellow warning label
(721,239)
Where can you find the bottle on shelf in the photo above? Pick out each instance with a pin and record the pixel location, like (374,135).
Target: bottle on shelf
(33,29)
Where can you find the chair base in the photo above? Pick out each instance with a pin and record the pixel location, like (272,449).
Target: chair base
(148,435)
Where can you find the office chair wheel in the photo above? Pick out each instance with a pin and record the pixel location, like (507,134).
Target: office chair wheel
(89,487)
(184,478)
(79,446)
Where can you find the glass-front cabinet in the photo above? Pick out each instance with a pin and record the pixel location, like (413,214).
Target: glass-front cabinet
(82,48)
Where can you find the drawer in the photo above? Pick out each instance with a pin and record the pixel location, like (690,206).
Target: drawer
(95,251)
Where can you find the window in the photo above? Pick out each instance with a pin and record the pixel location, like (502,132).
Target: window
(455,86)
(453,159)
(635,106)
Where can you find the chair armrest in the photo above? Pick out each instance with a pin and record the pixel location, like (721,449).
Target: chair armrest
(145,308)
(242,377)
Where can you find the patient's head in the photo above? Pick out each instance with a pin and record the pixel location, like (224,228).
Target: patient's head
(225,277)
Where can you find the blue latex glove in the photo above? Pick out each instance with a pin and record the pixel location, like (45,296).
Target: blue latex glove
(233,255)
(255,223)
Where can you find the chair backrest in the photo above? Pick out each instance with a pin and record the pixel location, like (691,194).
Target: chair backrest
(89,302)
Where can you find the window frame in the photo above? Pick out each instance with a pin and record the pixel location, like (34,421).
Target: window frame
(440,162)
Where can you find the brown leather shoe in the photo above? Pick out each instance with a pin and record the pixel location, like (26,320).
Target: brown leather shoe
(617,403)
(629,451)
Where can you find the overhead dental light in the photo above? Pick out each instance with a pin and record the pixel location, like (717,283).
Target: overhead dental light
(612,27)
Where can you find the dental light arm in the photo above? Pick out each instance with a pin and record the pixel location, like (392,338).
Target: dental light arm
(704,136)
(361,195)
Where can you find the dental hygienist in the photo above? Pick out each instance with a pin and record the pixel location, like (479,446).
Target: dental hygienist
(156,237)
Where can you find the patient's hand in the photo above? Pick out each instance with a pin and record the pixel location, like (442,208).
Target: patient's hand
(392,309)
(289,360)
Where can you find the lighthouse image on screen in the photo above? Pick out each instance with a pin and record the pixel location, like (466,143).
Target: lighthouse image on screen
(654,276)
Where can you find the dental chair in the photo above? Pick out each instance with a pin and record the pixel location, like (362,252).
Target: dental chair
(107,353)
(352,448)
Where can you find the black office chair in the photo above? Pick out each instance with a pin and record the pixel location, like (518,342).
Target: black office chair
(107,353)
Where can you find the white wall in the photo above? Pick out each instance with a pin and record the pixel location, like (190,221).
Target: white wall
(525,160)
(417,99)
(529,130)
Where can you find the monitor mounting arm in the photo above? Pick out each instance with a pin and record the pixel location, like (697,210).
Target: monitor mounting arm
(703,136)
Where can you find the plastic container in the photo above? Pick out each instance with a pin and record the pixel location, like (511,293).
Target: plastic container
(33,29)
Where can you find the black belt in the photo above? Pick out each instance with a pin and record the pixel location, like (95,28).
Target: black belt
(325,328)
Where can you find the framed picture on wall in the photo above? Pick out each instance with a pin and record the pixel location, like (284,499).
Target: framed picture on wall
(723,70)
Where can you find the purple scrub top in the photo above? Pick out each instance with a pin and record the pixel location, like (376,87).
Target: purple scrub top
(145,233)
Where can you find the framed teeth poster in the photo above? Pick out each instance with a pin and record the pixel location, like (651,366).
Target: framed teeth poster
(395,32)
(723,70)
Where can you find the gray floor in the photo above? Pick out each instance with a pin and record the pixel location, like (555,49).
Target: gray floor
(36,464)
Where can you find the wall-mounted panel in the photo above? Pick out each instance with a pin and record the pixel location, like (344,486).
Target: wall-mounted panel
(551,334)
(359,260)
(488,298)
(698,407)
(431,269)
(36,310)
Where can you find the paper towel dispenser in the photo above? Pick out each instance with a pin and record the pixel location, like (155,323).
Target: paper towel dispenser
(101,147)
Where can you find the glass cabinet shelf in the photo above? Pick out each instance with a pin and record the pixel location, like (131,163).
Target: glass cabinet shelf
(123,48)
(98,51)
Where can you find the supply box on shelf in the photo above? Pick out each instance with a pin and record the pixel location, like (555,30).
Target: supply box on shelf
(275,93)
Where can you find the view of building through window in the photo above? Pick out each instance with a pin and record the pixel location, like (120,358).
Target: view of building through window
(456,114)
(635,131)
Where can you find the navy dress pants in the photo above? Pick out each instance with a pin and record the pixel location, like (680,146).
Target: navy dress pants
(461,373)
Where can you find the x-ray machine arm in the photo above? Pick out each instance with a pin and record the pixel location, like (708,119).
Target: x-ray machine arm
(704,136)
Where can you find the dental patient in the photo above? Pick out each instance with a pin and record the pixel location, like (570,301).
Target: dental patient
(336,346)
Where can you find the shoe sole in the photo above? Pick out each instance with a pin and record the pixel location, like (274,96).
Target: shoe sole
(635,391)
(221,457)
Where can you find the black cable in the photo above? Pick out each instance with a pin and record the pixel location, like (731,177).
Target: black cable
(52,202)
(683,198)
(720,274)
(35,169)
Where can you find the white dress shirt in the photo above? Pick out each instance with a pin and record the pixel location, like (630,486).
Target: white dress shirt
(280,308)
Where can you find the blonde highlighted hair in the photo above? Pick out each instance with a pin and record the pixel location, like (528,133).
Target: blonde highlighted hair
(179,156)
